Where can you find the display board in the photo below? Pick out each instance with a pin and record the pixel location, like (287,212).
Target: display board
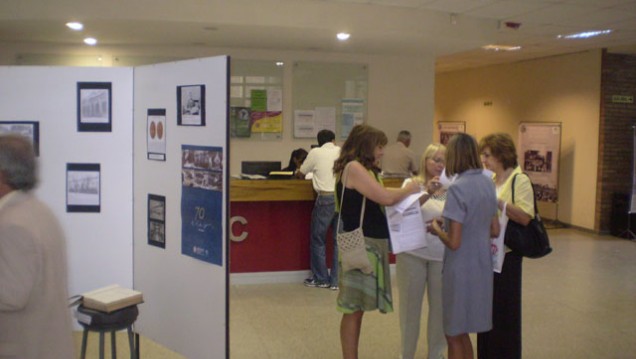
(329,96)
(98,242)
(538,155)
(180,246)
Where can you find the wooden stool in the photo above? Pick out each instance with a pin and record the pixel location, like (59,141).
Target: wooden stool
(107,322)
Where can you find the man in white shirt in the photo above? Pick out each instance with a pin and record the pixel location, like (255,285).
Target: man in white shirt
(319,162)
(398,159)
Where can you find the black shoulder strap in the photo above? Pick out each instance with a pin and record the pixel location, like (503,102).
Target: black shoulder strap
(536,210)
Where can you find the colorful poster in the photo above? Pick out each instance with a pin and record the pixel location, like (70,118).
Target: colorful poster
(259,100)
(446,130)
(539,148)
(240,122)
(202,203)
(267,122)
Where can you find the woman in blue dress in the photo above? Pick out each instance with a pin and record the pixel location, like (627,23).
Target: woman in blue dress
(470,215)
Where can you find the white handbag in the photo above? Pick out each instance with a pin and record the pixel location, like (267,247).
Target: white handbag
(351,245)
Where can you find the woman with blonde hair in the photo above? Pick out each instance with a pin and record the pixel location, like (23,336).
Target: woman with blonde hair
(356,172)
(420,270)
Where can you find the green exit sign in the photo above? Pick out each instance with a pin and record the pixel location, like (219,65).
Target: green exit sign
(622,99)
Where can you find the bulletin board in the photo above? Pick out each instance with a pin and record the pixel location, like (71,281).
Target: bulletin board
(329,96)
(256,99)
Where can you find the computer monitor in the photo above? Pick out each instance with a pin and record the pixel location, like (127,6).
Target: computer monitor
(262,168)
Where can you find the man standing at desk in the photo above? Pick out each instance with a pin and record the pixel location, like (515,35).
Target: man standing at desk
(319,162)
(35,321)
(398,159)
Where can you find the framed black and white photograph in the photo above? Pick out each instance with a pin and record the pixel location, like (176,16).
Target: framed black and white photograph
(83,189)
(28,129)
(157,220)
(156,134)
(94,106)
(191,105)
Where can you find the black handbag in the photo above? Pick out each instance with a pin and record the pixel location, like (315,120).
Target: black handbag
(529,241)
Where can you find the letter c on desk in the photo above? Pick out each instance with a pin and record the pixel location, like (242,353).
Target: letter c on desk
(241,237)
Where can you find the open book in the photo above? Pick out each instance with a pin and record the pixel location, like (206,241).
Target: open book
(111,298)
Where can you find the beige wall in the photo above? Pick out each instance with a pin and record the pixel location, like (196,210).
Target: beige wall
(562,89)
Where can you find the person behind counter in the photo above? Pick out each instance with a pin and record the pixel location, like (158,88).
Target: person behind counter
(296,160)
(357,170)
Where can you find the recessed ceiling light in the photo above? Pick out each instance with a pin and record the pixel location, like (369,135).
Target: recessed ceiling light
(90,41)
(501,48)
(585,34)
(343,36)
(77,26)
(279,63)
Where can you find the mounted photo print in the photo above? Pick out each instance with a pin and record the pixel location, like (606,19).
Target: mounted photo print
(83,187)
(191,105)
(94,107)
(156,134)
(28,129)
(157,220)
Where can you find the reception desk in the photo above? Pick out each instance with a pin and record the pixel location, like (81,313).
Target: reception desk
(269,224)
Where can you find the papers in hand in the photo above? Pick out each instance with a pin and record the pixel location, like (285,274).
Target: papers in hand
(406,228)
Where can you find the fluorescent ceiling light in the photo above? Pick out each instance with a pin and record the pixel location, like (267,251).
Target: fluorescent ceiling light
(77,26)
(585,34)
(90,41)
(501,48)
(342,36)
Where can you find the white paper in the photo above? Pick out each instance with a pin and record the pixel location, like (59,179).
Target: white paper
(406,228)
(304,126)
(497,248)
(274,99)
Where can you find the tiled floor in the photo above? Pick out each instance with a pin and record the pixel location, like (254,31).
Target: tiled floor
(579,302)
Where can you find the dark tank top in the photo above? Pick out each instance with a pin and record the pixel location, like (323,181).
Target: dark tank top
(374,224)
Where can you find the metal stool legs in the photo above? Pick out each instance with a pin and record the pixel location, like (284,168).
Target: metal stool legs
(113,344)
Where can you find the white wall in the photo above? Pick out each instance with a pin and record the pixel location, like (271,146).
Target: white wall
(99,244)
(400,97)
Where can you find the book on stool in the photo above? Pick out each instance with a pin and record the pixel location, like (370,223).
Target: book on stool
(111,298)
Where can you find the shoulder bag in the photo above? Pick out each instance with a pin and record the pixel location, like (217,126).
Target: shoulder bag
(529,241)
(351,245)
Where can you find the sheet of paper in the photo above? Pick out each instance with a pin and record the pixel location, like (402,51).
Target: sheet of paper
(406,228)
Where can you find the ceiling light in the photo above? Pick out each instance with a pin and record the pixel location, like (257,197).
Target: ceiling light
(501,48)
(77,26)
(90,41)
(585,34)
(279,63)
(343,36)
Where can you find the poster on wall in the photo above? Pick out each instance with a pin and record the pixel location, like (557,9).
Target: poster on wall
(266,114)
(83,187)
(156,134)
(28,129)
(94,107)
(240,122)
(539,150)
(157,220)
(352,114)
(202,203)
(307,123)
(446,130)
(191,105)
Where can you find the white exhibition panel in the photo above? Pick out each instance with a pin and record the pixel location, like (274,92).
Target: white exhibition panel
(99,244)
(185,305)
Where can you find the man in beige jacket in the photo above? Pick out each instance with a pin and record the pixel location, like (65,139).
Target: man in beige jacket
(34,318)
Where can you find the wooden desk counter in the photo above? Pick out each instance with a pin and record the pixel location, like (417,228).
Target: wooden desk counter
(280,190)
